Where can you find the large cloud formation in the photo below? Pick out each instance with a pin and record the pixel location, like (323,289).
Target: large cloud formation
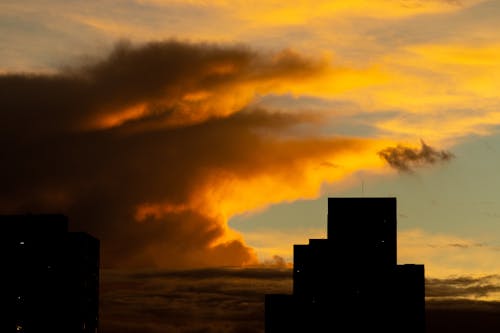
(153,148)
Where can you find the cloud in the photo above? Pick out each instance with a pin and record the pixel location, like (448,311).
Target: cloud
(231,300)
(153,148)
(206,300)
(405,159)
(462,316)
(463,286)
(168,83)
(264,272)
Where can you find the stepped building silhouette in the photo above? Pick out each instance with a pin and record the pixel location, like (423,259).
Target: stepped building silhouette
(351,282)
(50,276)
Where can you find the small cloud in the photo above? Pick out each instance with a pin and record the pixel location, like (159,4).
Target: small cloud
(329,165)
(405,159)
(461,246)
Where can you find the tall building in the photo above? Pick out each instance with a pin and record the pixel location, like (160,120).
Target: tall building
(50,276)
(351,282)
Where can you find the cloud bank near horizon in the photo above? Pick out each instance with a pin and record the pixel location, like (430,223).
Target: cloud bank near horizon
(231,300)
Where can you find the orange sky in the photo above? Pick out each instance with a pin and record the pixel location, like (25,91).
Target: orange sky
(211,110)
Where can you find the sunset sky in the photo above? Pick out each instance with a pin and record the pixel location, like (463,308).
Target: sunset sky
(198,134)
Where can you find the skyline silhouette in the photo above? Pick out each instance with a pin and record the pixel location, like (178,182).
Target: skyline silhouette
(45,300)
(53,276)
(352,279)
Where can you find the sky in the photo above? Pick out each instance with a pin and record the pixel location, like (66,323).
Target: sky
(200,134)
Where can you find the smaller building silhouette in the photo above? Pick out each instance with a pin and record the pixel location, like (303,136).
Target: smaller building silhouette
(351,282)
(50,276)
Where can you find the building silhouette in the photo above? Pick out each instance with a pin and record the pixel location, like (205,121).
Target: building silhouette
(50,276)
(351,282)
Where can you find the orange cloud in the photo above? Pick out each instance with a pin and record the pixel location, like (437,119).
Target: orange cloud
(154,149)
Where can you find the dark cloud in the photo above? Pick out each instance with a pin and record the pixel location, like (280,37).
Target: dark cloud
(171,80)
(228,300)
(462,316)
(460,246)
(462,287)
(133,148)
(231,300)
(261,272)
(405,159)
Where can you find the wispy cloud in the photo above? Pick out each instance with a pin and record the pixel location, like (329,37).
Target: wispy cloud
(446,255)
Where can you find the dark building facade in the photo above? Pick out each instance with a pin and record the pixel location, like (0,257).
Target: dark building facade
(351,282)
(50,276)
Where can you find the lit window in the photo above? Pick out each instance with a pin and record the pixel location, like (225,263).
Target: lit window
(21,243)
